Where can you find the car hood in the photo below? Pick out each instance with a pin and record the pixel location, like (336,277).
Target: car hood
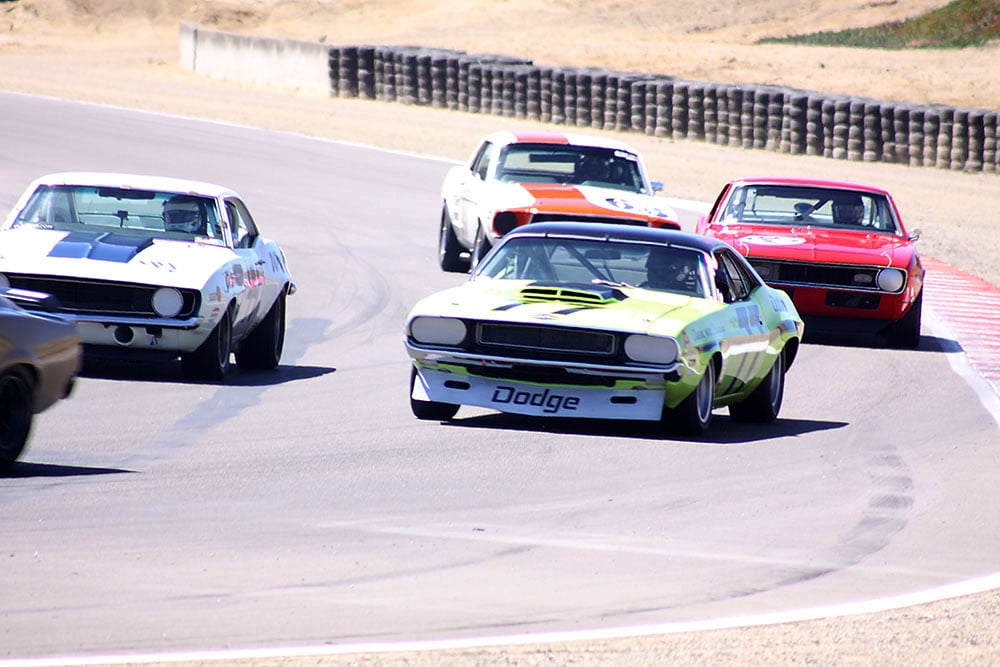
(130,257)
(814,244)
(582,200)
(629,309)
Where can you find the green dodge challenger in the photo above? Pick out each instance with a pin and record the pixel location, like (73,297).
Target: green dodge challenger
(605,321)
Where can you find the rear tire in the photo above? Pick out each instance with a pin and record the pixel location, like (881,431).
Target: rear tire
(763,405)
(211,360)
(17,409)
(430,410)
(261,350)
(449,249)
(693,415)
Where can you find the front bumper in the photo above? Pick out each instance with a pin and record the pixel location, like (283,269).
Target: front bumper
(504,395)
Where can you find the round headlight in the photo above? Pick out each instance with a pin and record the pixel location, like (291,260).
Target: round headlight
(4,282)
(651,349)
(891,280)
(167,301)
(438,330)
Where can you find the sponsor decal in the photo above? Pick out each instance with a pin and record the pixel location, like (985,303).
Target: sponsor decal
(157,264)
(549,401)
(773,239)
(237,277)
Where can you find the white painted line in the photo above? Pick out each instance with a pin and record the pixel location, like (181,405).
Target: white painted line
(970,587)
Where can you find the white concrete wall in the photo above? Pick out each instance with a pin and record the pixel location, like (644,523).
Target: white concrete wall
(284,63)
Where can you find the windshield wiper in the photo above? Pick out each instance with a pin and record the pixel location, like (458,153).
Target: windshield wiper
(610,283)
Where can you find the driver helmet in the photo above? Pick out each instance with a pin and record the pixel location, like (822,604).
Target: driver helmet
(666,271)
(184,214)
(592,168)
(848,209)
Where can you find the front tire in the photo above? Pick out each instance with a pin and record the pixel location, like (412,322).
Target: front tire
(261,351)
(906,332)
(17,408)
(764,403)
(430,410)
(693,415)
(483,246)
(449,249)
(211,360)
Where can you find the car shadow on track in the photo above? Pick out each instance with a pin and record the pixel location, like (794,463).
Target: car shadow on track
(875,341)
(724,431)
(26,469)
(131,371)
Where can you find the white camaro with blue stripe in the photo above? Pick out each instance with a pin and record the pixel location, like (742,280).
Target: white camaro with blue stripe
(151,266)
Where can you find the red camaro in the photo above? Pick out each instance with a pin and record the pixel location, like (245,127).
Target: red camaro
(839,249)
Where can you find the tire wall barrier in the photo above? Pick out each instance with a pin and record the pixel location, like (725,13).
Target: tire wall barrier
(775,118)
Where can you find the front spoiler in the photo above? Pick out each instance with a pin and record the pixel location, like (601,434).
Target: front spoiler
(530,399)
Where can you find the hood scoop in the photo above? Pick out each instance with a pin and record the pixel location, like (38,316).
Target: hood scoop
(108,247)
(582,294)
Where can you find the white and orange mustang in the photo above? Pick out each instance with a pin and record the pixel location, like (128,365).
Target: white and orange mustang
(513,179)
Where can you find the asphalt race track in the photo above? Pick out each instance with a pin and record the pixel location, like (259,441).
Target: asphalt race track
(307,506)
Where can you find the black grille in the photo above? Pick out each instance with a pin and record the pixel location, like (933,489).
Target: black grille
(820,275)
(542,375)
(547,339)
(101,297)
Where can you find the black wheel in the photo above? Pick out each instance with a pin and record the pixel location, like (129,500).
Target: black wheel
(482,247)
(906,332)
(430,409)
(449,249)
(764,403)
(693,415)
(211,360)
(17,407)
(261,350)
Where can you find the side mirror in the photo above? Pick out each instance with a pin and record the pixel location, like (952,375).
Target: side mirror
(657,186)
(915,235)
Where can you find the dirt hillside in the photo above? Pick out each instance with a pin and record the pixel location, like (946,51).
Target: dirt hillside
(708,40)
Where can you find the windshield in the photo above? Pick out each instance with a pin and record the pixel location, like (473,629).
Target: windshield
(99,209)
(563,163)
(576,261)
(803,205)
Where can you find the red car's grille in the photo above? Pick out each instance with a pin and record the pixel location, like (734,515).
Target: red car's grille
(803,274)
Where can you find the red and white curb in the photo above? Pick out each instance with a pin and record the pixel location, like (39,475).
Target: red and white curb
(966,309)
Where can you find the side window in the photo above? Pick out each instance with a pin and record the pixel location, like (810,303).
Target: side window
(241,225)
(738,281)
(481,165)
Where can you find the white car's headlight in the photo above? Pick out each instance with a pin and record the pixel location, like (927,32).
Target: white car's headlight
(891,280)
(438,330)
(167,301)
(651,349)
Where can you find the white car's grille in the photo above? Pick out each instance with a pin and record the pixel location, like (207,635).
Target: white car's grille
(101,297)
